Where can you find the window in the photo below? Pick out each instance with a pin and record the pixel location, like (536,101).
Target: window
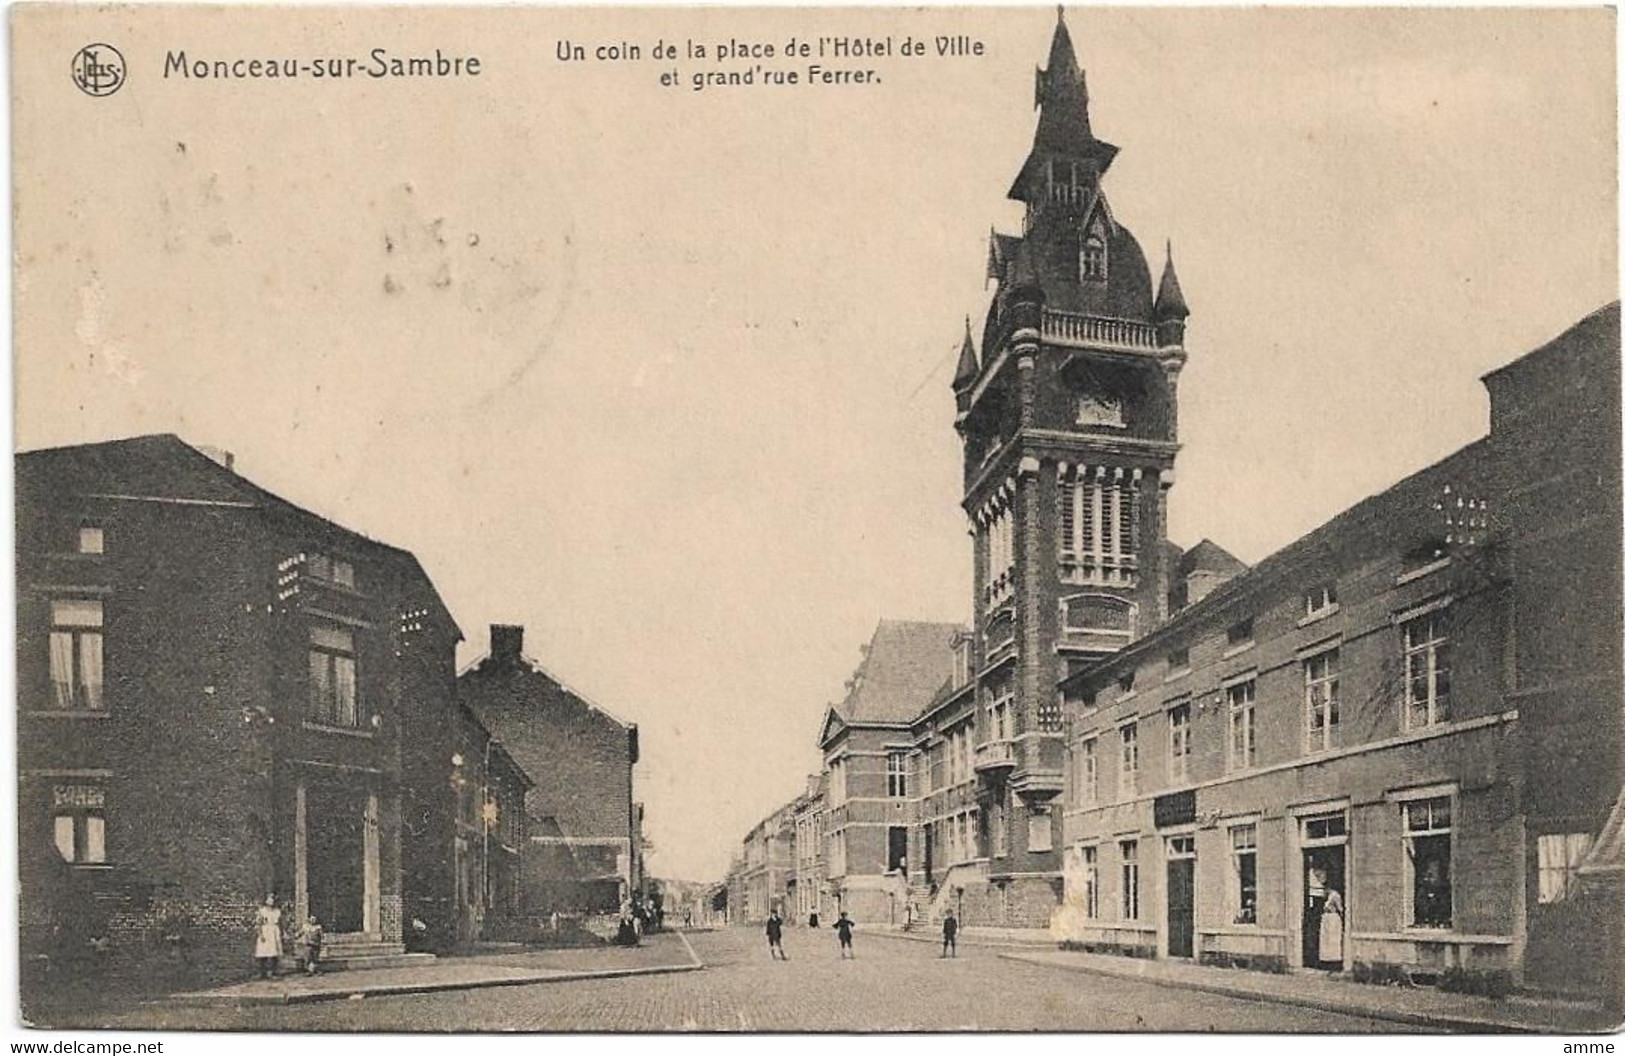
(1560,855)
(1001,830)
(1326,827)
(332,677)
(1129,769)
(332,569)
(1243,725)
(1179,742)
(837,782)
(1099,535)
(1088,773)
(76,654)
(1131,879)
(1000,541)
(1320,700)
(1244,873)
(897,774)
(1092,259)
(92,540)
(1427,671)
(1091,884)
(1000,720)
(1322,599)
(1240,634)
(1040,831)
(78,823)
(1427,861)
(1179,662)
(961,662)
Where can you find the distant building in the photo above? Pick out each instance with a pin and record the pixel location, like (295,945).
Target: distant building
(811,894)
(220,698)
(583,850)
(767,875)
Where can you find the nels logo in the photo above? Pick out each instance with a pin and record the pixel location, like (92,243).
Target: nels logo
(98,69)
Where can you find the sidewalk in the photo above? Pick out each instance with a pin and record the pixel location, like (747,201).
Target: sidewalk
(660,954)
(1436,1009)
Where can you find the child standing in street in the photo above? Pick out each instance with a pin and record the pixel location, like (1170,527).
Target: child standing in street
(843,931)
(775,937)
(950,935)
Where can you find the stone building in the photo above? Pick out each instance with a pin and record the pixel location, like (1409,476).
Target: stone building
(219,694)
(583,849)
(1391,745)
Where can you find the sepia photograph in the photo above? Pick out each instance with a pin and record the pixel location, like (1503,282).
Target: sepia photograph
(859,520)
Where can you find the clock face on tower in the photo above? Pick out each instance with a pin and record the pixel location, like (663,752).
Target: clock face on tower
(1100,409)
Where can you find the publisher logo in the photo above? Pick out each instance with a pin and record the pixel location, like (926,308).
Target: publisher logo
(98,69)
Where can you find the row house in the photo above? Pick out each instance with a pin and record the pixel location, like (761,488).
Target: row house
(811,897)
(1394,741)
(220,697)
(491,833)
(583,847)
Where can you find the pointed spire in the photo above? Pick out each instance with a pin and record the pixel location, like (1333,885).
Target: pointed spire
(1062,98)
(1170,299)
(968,367)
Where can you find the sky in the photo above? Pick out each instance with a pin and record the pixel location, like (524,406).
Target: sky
(663,375)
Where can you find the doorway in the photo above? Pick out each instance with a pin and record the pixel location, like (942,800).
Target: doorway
(897,850)
(1181,896)
(335,861)
(1323,878)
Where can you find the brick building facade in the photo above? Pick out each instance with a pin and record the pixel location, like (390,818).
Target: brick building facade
(583,851)
(218,695)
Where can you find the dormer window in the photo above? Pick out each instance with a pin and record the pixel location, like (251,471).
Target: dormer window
(1092,258)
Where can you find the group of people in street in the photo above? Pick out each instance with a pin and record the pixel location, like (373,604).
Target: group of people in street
(843,934)
(269,944)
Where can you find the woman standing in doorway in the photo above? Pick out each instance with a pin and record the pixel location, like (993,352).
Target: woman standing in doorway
(1331,931)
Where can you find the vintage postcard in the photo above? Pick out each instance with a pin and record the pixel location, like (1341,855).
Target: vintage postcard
(817,519)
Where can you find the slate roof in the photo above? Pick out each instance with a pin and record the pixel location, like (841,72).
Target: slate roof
(907,662)
(1208,556)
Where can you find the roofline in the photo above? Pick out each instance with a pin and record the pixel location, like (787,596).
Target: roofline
(537,668)
(1257,578)
(271,503)
(1544,345)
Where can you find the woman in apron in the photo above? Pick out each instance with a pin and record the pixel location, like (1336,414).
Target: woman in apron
(268,936)
(1331,932)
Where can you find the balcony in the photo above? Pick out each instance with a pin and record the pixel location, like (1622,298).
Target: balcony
(1070,329)
(995,755)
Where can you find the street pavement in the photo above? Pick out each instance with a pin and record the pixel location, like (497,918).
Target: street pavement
(890,985)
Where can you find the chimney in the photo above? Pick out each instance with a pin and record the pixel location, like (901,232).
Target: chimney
(507,642)
(220,455)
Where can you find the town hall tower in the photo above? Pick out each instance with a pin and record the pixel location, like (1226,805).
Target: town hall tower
(1069,423)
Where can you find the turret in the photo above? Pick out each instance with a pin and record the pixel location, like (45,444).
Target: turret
(1170,311)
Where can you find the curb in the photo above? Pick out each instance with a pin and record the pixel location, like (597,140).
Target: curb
(1441,1021)
(399,989)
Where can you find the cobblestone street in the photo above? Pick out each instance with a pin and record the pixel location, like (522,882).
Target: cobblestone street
(891,985)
